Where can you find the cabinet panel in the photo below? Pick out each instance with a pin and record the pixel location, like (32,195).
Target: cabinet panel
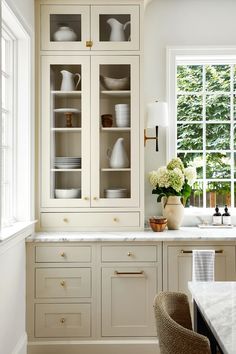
(179,265)
(64,27)
(63,254)
(62,320)
(115,150)
(65,131)
(59,282)
(105,220)
(115,27)
(129,253)
(127,297)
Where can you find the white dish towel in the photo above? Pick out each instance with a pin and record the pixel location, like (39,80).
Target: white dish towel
(203,265)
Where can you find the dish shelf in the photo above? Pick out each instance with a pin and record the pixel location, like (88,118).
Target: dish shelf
(70,130)
(120,94)
(115,169)
(65,169)
(116,129)
(67,94)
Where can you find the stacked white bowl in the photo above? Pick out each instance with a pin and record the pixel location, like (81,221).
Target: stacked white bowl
(114,192)
(122,111)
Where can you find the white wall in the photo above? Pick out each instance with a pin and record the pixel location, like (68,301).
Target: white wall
(178,22)
(25,10)
(12,300)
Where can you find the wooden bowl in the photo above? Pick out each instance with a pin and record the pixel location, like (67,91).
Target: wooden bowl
(158,224)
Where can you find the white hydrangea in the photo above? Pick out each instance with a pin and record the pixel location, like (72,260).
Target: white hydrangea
(190,174)
(153,179)
(176,179)
(163,177)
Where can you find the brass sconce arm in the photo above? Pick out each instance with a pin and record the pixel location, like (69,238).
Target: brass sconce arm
(151,137)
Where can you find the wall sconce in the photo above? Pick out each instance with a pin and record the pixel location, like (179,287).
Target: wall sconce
(157,115)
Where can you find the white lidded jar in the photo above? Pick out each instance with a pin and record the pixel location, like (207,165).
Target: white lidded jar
(64,34)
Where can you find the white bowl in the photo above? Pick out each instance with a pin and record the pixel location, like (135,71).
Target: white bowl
(110,83)
(68,193)
(122,107)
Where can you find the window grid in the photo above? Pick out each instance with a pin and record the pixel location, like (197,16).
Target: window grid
(204,151)
(7,129)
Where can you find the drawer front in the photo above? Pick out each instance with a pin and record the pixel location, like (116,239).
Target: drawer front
(63,282)
(63,254)
(89,220)
(62,320)
(129,253)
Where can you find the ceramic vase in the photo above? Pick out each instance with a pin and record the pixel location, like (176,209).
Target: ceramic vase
(118,157)
(173,210)
(64,34)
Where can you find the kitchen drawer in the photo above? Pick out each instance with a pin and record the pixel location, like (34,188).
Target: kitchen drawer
(89,220)
(63,282)
(129,253)
(62,320)
(63,254)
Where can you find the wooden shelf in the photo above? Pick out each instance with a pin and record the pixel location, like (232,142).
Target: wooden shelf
(116,93)
(66,93)
(115,169)
(70,130)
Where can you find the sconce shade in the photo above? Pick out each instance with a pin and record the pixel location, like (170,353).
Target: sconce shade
(157,114)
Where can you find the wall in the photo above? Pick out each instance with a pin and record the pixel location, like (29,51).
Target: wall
(12,300)
(25,10)
(178,23)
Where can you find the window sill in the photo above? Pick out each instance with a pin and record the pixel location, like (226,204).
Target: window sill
(15,233)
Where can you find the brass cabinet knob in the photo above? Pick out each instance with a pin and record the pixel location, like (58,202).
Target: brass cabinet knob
(89,44)
(86,198)
(62,254)
(129,254)
(62,320)
(95,198)
(115,219)
(65,220)
(63,283)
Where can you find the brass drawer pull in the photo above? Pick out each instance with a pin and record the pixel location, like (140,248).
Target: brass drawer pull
(216,251)
(65,220)
(141,272)
(62,320)
(63,254)
(129,254)
(63,283)
(115,219)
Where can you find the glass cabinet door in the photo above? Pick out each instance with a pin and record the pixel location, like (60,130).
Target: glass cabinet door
(115,131)
(65,27)
(65,131)
(115,27)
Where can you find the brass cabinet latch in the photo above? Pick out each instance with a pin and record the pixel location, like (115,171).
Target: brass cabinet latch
(89,44)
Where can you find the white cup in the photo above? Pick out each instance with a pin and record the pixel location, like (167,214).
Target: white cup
(122,107)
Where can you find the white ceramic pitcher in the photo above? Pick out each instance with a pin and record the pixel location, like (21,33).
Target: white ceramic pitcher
(68,81)
(118,157)
(117,30)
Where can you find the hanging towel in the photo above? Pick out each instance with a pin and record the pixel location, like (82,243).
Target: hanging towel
(203,265)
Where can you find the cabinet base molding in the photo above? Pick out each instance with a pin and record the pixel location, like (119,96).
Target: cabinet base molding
(95,347)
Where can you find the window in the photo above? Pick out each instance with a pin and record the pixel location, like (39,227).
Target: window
(7,128)
(203,93)
(16,123)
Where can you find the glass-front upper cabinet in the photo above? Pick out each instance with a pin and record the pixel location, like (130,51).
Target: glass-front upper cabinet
(115,27)
(65,27)
(65,131)
(75,27)
(115,131)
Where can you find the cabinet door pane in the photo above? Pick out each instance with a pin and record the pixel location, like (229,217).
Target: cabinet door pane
(64,27)
(65,131)
(115,129)
(115,27)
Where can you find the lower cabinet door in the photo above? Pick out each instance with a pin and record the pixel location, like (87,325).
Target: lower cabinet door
(127,301)
(62,320)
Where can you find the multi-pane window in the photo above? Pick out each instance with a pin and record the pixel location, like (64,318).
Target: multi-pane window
(7,128)
(206,130)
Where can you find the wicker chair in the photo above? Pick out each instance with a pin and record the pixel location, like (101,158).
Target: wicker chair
(174,327)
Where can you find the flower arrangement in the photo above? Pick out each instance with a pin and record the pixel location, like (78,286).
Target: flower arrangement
(173,180)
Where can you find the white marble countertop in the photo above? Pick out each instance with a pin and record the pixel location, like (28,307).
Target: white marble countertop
(184,234)
(217,303)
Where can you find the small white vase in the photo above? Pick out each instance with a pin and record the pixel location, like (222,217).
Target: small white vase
(118,157)
(64,34)
(173,210)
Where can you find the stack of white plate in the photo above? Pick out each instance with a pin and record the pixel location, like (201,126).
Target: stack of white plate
(115,193)
(122,111)
(67,162)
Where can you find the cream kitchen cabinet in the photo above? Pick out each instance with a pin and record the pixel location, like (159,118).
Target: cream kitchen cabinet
(177,263)
(130,280)
(77,26)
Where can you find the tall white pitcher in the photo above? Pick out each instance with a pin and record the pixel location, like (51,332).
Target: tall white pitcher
(68,81)
(117,30)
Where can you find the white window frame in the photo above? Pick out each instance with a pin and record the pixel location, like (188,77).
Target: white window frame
(192,55)
(24,121)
